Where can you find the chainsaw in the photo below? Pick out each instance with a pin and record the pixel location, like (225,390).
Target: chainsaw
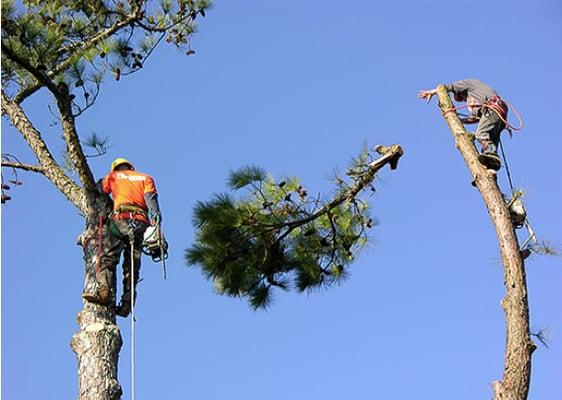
(155,245)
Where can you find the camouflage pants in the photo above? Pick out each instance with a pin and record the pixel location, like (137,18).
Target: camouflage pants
(112,248)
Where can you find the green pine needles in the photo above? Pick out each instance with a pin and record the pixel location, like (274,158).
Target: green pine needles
(272,234)
(77,42)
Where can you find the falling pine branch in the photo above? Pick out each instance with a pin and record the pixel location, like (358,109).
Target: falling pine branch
(277,236)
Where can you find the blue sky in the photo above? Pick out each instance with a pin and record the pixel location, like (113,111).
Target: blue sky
(298,87)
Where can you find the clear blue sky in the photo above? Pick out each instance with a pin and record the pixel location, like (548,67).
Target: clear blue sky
(297,87)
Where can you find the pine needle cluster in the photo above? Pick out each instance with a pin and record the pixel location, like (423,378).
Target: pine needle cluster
(268,234)
(79,42)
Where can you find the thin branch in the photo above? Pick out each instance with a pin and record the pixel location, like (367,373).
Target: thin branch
(164,29)
(26,167)
(94,40)
(25,93)
(77,46)
(41,77)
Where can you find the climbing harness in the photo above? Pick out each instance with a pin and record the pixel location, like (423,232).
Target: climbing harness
(500,107)
(130,211)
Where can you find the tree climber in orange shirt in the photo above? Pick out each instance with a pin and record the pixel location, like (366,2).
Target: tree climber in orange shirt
(135,207)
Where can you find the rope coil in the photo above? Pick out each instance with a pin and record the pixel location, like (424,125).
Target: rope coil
(492,105)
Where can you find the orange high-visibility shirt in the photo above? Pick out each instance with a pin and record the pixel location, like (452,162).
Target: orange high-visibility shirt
(128,187)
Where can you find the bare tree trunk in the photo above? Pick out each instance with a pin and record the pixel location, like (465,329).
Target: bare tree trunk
(98,341)
(519,346)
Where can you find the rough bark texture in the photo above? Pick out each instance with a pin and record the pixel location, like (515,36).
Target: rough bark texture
(98,341)
(51,168)
(519,346)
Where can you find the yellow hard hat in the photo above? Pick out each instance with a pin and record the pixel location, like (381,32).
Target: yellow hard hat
(120,161)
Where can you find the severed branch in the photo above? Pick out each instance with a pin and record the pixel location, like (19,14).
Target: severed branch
(247,246)
(390,155)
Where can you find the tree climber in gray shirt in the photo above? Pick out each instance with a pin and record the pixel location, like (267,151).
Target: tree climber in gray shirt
(486,108)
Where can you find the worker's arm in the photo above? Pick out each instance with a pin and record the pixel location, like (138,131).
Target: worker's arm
(470,120)
(151,200)
(105,186)
(462,86)
(457,87)
(427,94)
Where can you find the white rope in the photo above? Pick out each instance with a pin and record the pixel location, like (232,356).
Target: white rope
(132,272)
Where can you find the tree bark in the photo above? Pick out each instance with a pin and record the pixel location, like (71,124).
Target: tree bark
(51,168)
(519,346)
(98,341)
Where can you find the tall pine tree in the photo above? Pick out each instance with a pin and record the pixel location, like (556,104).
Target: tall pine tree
(67,48)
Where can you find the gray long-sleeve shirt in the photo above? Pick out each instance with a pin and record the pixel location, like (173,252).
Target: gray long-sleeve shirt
(474,88)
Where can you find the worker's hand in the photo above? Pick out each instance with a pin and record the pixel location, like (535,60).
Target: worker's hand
(155,219)
(426,94)
(470,120)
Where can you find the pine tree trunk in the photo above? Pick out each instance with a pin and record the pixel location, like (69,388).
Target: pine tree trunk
(519,346)
(98,341)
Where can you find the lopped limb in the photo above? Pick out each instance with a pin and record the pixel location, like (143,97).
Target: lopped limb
(390,155)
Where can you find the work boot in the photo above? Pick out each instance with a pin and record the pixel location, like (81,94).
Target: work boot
(489,157)
(490,161)
(102,296)
(525,253)
(123,309)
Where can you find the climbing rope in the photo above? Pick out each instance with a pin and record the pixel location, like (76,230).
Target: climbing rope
(132,272)
(531,232)
(100,237)
(507,170)
(495,107)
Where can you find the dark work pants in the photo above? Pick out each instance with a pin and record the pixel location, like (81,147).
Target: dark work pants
(489,129)
(111,253)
